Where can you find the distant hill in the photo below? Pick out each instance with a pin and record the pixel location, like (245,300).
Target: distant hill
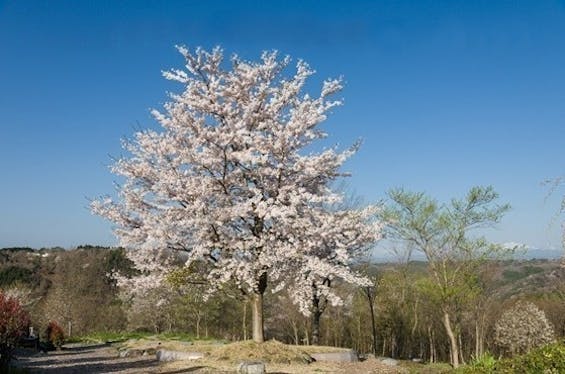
(536,253)
(382,256)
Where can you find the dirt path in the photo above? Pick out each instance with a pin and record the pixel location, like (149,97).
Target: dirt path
(81,358)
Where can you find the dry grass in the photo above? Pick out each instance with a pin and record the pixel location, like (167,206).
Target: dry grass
(268,352)
(278,357)
(271,351)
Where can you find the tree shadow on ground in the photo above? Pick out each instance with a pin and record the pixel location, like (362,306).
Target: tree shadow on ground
(83,360)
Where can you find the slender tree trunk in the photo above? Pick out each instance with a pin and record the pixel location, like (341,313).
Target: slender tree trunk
(359,338)
(295,332)
(244,320)
(453,344)
(461,350)
(432,345)
(478,348)
(370,299)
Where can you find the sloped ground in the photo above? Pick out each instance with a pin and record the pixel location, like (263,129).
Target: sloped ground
(104,358)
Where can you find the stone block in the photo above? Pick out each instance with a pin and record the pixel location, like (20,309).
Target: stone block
(166,355)
(343,356)
(251,367)
(389,361)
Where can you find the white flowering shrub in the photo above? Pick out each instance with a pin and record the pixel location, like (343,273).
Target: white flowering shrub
(521,328)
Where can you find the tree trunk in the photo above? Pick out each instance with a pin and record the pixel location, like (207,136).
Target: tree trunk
(316,314)
(244,320)
(295,332)
(318,306)
(432,345)
(257,322)
(453,344)
(461,350)
(478,348)
(258,326)
(371,298)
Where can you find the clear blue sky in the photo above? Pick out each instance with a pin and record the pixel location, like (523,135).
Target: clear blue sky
(445,94)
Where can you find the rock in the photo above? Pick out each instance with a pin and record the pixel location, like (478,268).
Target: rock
(366,356)
(389,361)
(251,367)
(166,355)
(344,356)
(131,353)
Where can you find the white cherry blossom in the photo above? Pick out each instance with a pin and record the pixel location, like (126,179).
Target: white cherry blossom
(227,180)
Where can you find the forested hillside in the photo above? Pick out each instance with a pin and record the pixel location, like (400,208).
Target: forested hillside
(76,289)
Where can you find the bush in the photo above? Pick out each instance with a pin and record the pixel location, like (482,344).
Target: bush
(54,334)
(548,359)
(15,274)
(485,363)
(521,328)
(14,322)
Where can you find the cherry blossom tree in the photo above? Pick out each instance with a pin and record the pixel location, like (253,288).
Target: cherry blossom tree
(313,284)
(228,180)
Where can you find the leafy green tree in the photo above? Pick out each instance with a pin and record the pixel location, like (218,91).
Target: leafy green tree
(441,233)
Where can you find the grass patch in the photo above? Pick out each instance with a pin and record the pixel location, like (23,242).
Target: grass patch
(116,337)
(425,368)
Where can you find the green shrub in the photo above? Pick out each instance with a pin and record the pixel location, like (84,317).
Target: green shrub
(485,363)
(14,274)
(549,359)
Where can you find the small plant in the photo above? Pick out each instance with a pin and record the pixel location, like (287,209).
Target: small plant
(484,363)
(55,335)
